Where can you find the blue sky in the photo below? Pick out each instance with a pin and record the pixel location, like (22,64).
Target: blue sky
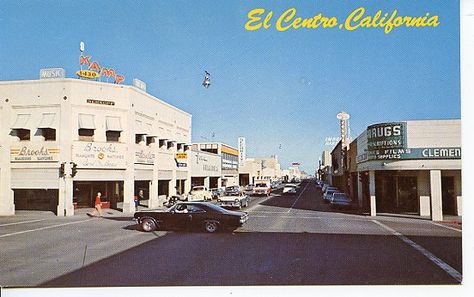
(274,88)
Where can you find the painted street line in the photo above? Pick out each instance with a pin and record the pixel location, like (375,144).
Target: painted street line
(43,228)
(24,222)
(298,197)
(440,263)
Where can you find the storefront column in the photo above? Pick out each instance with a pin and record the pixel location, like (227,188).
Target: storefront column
(436,195)
(207,182)
(360,197)
(7,206)
(458,193)
(373,207)
(154,201)
(423,185)
(219,182)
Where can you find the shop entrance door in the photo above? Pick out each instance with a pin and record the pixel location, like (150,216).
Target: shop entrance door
(407,200)
(447,188)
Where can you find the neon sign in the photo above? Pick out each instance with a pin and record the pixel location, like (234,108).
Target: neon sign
(94,70)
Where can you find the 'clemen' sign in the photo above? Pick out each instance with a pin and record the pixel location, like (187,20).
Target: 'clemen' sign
(386,136)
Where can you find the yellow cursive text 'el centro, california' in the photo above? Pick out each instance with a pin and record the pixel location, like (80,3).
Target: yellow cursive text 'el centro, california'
(258,18)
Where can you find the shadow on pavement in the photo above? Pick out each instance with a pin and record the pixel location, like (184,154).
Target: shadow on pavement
(240,259)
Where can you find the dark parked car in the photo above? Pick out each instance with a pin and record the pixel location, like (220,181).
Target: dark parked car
(340,200)
(186,215)
(232,191)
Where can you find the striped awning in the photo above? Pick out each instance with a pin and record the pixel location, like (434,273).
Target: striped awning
(21,121)
(86,121)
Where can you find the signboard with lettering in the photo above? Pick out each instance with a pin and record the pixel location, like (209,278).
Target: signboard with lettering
(99,155)
(411,154)
(205,164)
(181,155)
(144,156)
(34,153)
(139,84)
(52,73)
(386,135)
(94,70)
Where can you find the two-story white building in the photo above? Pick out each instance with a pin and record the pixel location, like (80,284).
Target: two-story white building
(63,140)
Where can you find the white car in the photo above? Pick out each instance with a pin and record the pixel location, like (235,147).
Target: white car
(262,188)
(290,189)
(234,197)
(199,193)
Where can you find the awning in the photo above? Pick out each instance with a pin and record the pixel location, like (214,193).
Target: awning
(21,121)
(113,124)
(86,121)
(47,121)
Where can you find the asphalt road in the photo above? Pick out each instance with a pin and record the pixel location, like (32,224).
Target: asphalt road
(288,240)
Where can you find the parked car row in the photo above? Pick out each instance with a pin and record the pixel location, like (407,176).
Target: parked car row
(334,196)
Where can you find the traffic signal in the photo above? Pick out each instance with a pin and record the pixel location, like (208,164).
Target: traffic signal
(73,169)
(61,170)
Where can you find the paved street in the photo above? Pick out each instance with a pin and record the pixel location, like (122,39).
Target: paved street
(288,240)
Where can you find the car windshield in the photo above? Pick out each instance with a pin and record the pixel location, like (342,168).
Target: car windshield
(198,189)
(217,208)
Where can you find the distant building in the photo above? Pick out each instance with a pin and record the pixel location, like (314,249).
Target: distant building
(259,168)
(229,160)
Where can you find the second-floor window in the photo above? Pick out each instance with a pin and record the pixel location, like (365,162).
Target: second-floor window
(48,134)
(112,136)
(86,134)
(22,134)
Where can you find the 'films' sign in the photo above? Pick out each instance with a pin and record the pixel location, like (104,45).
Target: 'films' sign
(386,136)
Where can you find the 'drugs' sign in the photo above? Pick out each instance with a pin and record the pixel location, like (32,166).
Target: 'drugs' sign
(386,136)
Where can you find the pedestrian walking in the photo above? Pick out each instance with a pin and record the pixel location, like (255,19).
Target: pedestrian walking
(136,201)
(97,206)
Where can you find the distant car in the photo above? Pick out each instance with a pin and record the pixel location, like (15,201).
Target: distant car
(186,215)
(262,188)
(232,190)
(329,188)
(242,200)
(199,193)
(290,189)
(217,192)
(340,200)
(327,196)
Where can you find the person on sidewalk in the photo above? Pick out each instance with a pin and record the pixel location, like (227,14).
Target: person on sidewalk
(98,206)
(136,201)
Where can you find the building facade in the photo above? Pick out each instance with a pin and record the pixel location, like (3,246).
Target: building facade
(267,168)
(229,160)
(206,169)
(411,167)
(63,140)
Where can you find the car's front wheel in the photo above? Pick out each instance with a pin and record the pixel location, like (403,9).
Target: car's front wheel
(211,226)
(148,225)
